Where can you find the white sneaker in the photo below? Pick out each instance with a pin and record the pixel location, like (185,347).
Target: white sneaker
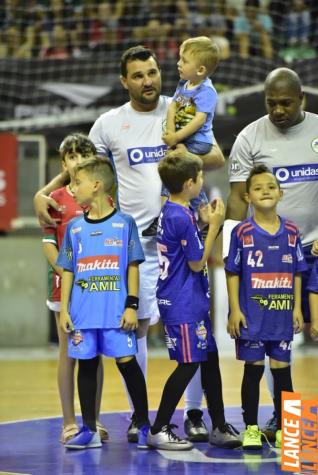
(168,440)
(84,439)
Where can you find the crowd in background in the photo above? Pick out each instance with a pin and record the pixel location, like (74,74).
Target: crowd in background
(75,28)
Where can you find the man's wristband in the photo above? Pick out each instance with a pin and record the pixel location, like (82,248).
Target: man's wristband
(132,302)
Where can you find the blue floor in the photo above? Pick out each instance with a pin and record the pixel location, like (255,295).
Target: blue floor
(33,448)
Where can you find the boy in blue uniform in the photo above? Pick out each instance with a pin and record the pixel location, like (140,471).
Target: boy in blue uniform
(264,286)
(100,256)
(184,302)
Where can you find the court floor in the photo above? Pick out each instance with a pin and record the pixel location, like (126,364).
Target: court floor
(30,422)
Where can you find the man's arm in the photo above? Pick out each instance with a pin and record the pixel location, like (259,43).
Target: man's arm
(42,202)
(236,211)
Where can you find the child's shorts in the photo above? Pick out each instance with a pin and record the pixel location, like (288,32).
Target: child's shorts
(112,342)
(190,342)
(248,350)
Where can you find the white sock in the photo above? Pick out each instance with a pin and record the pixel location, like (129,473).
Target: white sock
(269,378)
(193,394)
(141,357)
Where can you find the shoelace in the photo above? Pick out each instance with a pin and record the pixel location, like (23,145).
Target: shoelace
(168,430)
(254,435)
(229,429)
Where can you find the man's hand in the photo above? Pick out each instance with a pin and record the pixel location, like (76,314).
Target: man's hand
(66,323)
(236,319)
(41,205)
(129,321)
(314,249)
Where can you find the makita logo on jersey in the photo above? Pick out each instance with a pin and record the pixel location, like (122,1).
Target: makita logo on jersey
(272,280)
(146,154)
(296,173)
(97,263)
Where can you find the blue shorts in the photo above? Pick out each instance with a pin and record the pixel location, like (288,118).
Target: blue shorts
(113,342)
(199,148)
(310,259)
(190,342)
(248,350)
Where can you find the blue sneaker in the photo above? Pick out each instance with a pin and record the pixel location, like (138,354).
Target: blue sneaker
(142,437)
(84,439)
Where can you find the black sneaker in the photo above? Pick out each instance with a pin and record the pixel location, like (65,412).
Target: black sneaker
(270,429)
(132,432)
(195,427)
(151,230)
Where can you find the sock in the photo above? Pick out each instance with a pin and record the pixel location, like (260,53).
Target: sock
(193,394)
(212,387)
(136,387)
(141,357)
(250,392)
(172,393)
(269,378)
(87,388)
(282,382)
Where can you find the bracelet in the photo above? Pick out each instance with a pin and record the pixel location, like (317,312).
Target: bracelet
(132,302)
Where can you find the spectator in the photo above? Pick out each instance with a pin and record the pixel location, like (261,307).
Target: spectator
(298,22)
(252,30)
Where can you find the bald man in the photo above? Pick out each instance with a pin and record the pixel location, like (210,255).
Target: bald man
(286,140)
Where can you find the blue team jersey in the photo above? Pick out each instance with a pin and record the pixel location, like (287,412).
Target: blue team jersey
(182,295)
(312,285)
(267,265)
(98,252)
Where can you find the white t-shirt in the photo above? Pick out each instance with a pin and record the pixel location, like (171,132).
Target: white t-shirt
(292,155)
(132,140)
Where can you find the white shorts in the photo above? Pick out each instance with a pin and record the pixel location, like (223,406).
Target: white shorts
(149,273)
(54,306)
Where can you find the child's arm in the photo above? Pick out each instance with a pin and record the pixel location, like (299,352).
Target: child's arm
(313,303)
(297,313)
(236,317)
(214,217)
(172,138)
(129,319)
(66,288)
(42,201)
(51,253)
(171,117)
(314,249)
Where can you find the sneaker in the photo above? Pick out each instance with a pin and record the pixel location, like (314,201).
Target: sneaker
(84,439)
(252,438)
(103,432)
(278,441)
(225,436)
(142,437)
(271,428)
(168,440)
(132,432)
(151,230)
(195,427)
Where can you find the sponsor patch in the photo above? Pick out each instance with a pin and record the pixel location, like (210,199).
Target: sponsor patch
(296,173)
(140,155)
(248,241)
(272,280)
(292,238)
(287,258)
(97,263)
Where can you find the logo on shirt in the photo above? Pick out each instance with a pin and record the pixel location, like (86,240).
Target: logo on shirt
(274,301)
(117,225)
(97,263)
(287,258)
(76,230)
(292,240)
(314,145)
(248,241)
(272,280)
(146,154)
(296,173)
(113,242)
(96,233)
(234,167)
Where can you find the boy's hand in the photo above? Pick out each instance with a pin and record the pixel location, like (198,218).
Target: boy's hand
(129,321)
(298,321)
(236,319)
(170,139)
(213,213)
(314,249)
(41,205)
(314,329)
(65,322)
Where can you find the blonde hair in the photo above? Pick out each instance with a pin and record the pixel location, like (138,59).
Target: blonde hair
(205,52)
(99,168)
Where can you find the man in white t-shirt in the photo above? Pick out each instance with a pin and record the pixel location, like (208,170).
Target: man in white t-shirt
(131,136)
(286,141)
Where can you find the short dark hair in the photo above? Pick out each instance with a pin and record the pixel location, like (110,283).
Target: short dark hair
(101,168)
(174,171)
(258,170)
(78,143)
(132,54)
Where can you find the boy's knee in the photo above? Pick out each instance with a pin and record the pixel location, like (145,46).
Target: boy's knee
(124,359)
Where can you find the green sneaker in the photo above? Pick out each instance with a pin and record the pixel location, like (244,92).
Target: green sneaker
(252,438)
(278,441)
